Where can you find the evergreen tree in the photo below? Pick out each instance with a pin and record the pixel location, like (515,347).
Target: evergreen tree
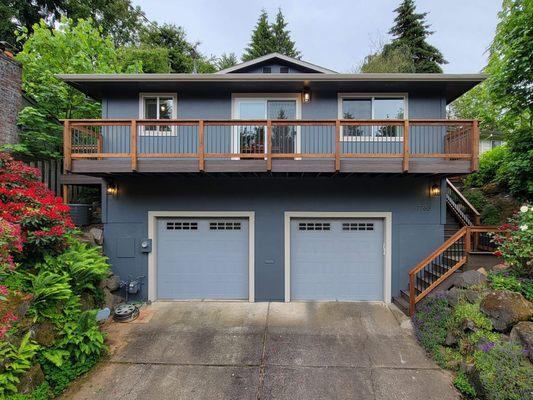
(410,31)
(262,39)
(282,42)
(226,60)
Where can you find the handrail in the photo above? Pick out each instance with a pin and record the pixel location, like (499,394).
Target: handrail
(462,197)
(464,247)
(410,137)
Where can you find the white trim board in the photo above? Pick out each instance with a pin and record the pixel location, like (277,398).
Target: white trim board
(387,241)
(152,234)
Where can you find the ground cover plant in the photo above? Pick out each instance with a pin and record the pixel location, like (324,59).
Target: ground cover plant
(48,330)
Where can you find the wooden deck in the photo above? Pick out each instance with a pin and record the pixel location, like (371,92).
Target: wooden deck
(101,147)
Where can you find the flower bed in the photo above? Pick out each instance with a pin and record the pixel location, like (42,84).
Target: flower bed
(48,334)
(485,332)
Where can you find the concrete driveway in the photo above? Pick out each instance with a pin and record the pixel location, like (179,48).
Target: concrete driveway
(231,350)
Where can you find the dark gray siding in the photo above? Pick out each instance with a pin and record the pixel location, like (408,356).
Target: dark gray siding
(417,219)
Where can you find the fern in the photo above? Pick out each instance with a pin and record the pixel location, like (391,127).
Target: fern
(15,361)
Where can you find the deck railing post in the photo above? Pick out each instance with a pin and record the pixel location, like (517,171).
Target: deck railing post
(67,146)
(405,163)
(412,294)
(133,146)
(337,145)
(475,146)
(468,240)
(269,145)
(201,149)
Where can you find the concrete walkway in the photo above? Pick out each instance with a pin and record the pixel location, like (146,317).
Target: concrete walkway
(230,350)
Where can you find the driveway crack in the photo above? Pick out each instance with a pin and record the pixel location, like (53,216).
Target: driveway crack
(263,353)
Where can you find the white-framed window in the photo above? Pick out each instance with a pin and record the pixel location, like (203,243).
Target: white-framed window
(262,106)
(158,106)
(359,106)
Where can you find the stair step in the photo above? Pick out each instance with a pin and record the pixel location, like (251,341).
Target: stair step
(402,304)
(404,295)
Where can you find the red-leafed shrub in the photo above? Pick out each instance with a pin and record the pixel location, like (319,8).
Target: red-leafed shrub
(42,218)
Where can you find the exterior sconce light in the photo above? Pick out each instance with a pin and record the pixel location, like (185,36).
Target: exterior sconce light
(434,191)
(307,96)
(112,189)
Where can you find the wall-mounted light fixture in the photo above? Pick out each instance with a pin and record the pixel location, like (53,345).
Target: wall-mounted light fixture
(307,95)
(112,189)
(434,191)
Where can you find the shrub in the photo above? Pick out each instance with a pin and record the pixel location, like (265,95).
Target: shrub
(462,384)
(508,281)
(467,311)
(430,322)
(491,215)
(48,291)
(15,361)
(515,241)
(490,165)
(503,373)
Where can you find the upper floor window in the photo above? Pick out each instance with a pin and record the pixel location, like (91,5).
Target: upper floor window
(267,70)
(284,70)
(158,106)
(368,107)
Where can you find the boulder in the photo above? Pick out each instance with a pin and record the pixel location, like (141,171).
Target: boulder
(97,235)
(451,339)
(523,333)
(44,333)
(112,282)
(482,271)
(453,296)
(499,268)
(30,380)
(472,296)
(469,278)
(506,308)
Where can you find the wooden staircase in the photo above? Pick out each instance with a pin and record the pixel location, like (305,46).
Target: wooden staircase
(463,235)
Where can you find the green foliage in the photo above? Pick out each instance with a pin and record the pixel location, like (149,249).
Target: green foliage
(491,215)
(184,56)
(270,38)
(59,378)
(507,281)
(15,361)
(48,290)
(515,242)
(462,384)
(42,392)
(504,373)
(153,60)
(226,60)
(411,31)
(394,59)
(84,264)
(431,321)
(470,312)
(491,164)
(68,48)
(447,357)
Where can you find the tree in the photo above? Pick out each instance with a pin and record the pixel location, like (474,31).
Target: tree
(184,56)
(262,39)
(394,59)
(270,38)
(411,31)
(503,102)
(117,18)
(281,38)
(69,48)
(226,60)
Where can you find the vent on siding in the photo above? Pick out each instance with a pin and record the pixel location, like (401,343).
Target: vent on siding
(267,70)
(225,226)
(284,70)
(182,226)
(314,226)
(357,226)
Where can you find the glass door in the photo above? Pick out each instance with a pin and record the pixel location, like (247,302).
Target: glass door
(283,137)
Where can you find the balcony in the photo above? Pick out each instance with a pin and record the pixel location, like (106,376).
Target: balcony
(119,146)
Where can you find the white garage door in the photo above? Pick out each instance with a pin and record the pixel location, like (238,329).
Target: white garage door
(202,258)
(336,259)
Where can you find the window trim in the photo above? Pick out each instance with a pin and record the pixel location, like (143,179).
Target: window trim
(235,97)
(145,132)
(372,96)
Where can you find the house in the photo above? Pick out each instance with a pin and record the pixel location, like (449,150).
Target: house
(273,180)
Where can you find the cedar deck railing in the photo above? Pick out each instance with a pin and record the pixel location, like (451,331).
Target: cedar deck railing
(443,262)
(435,139)
(465,212)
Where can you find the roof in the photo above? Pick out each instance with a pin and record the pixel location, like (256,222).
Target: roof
(277,57)
(98,86)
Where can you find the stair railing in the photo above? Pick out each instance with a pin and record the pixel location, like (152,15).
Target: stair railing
(443,262)
(460,206)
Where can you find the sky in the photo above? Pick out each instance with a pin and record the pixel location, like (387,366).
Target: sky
(334,34)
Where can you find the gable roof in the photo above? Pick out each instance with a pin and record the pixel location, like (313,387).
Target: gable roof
(277,56)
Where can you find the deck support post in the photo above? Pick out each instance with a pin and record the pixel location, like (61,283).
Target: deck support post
(64,189)
(474,166)
(67,146)
(133,132)
(269,146)
(405,162)
(337,145)
(201,149)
